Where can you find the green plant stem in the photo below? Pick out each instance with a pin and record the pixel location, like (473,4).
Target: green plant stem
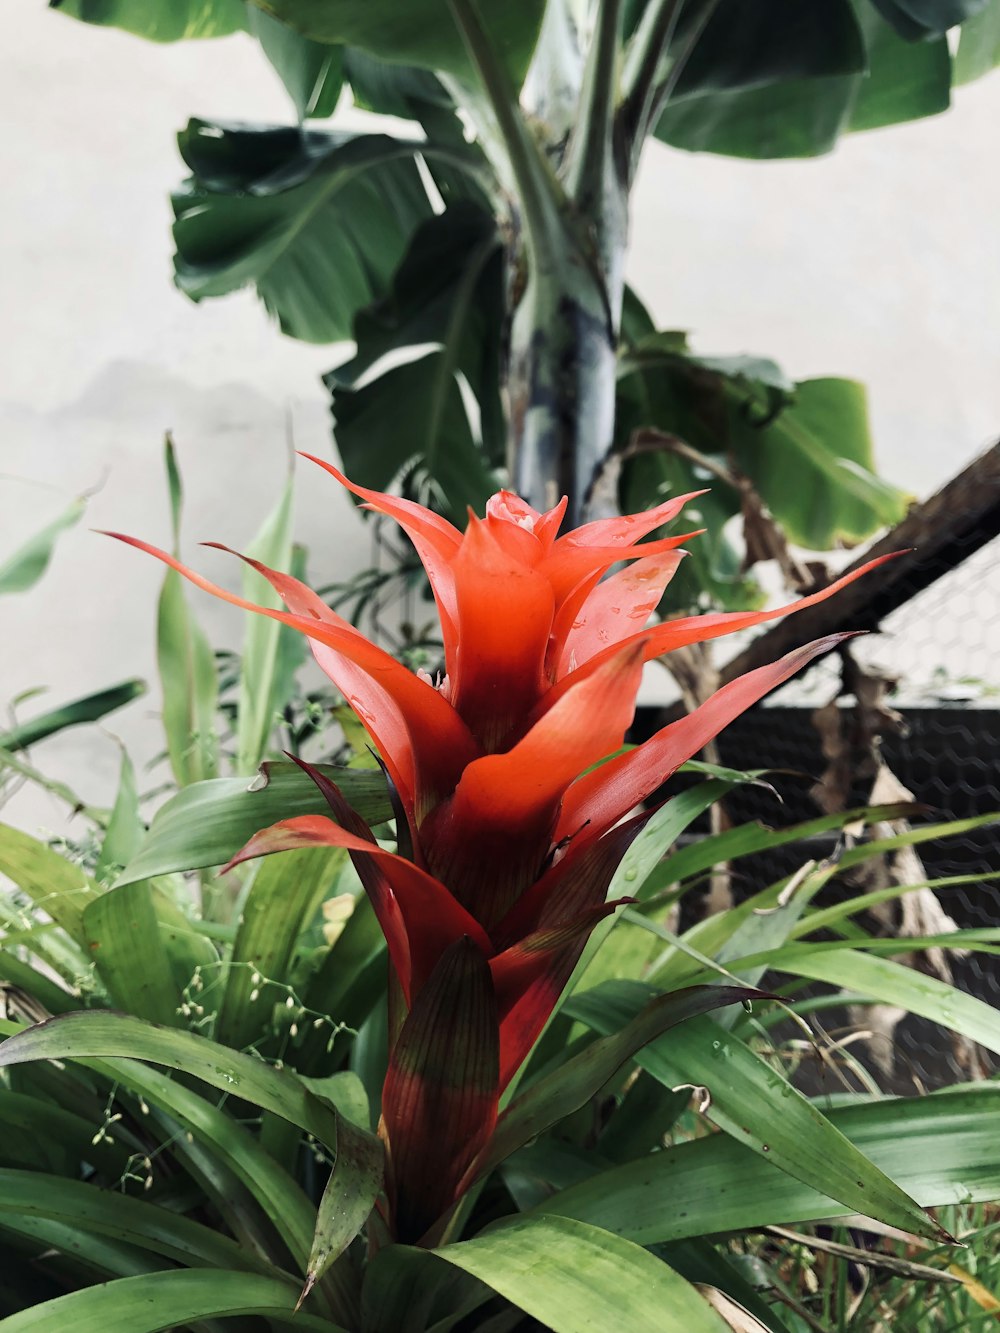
(642,63)
(537,188)
(647,91)
(591,170)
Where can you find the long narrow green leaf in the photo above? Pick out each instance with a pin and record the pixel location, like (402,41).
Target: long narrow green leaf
(189,685)
(348,983)
(942,1149)
(257,701)
(280,1198)
(134,1221)
(710,935)
(752,1102)
(91,708)
(207,823)
(572,1084)
(25,567)
(577,1278)
(283,899)
(599,962)
(354,1185)
(401,1285)
(125,829)
(66,1129)
(60,889)
(86,1256)
(123,936)
(746,839)
(891,983)
(97,1034)
(159,1301)
(186,664)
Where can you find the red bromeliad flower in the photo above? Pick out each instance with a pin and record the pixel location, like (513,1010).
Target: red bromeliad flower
(509,835)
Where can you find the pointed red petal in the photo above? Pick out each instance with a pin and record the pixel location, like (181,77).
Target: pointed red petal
(441,744)
(435,540)
(575,884)
(569,566)
(379,712)
(419,917)
(509,508)
(569,900)
(504,617)
(696,629)
(601,797)
(489,839)
(625,530)
(439,1101)
(617,607)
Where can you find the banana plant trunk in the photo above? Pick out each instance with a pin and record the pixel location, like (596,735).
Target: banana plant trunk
(563,359)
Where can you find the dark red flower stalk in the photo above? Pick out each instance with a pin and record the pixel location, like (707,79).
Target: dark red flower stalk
(513,835)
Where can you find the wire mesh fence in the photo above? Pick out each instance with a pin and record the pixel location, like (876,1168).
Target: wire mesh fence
(942,648)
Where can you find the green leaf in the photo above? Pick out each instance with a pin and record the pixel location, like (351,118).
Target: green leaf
(745,1091)
(749,46)
(888,982)
(447,291)
(348,983)
(69,1136)
(96,1255)
(805,117)
(979,44)
(145,1225)
(942,1149)
(905,80)
(354,1185)
(794,118)
(283,899)
(159,1301)
(124,940)
(161,20)
(125,829)
(426,395)
(392,89)
(818,435)
(422,32)
(577,1278)
(640,861)
(228,1146)
(60,889)
(312,72)
(403,1285)
(746,839)
(91,708)
(25,567)
(258,699)
(208,822)
(99,1034)
(823,440)
(915,20)
(572,1084)
(186,664)
(316,220)
(710,935)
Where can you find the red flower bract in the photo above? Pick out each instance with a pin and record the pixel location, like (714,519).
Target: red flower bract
(513,835)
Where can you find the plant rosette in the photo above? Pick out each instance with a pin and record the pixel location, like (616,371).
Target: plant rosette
(509,826)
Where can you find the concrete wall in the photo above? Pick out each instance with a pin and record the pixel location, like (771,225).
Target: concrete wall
(881,263)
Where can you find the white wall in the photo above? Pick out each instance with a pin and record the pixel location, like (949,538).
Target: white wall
(881,262)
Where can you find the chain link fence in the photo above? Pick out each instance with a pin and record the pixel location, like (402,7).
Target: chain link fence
(941,648)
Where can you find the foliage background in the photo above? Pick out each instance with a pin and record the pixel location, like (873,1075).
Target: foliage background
(880,263)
